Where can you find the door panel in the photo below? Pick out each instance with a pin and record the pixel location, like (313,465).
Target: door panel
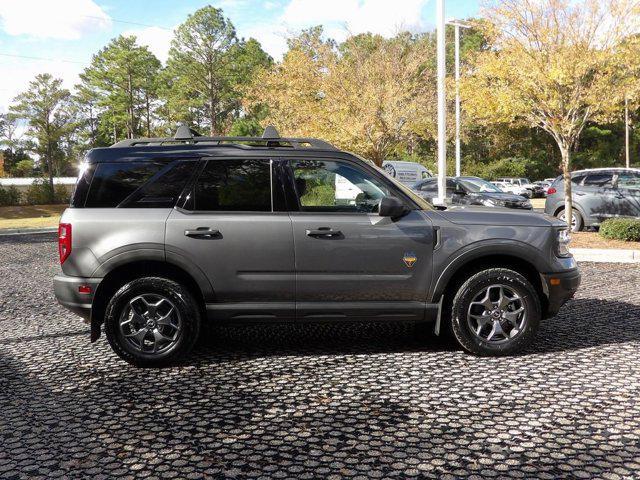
(250,259)
(367,262)
(628,188)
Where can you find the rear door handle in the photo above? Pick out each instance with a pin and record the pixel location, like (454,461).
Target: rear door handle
(324,232)
(202,232)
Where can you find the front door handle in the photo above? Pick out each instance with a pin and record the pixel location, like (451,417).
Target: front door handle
(324,232)
(202,232)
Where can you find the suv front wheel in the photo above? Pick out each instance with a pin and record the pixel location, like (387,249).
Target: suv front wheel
(152,322)
(495,312)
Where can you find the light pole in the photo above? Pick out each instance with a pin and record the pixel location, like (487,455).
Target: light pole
(442,112)
(457,26)
(626,129)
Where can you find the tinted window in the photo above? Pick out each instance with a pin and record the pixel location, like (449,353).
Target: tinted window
(113,182)
(234,186)
(329,186)
(598,180)
(575,179)
(162,190)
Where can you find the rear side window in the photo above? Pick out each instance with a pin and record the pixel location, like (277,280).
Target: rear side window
(163,189)
(234,186)
(114,182)
(599,180)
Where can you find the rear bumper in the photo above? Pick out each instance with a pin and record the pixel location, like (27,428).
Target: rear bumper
(559,287)
(68,295)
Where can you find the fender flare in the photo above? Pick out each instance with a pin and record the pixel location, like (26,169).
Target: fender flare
(517,250)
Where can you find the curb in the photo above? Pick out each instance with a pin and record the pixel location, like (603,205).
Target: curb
(608,255)
(27,231)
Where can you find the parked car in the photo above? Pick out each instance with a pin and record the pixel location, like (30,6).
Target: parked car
(407,173)
(471,191)
(597,194)
(523,183)
(164,234)
(513,188)
(544,186)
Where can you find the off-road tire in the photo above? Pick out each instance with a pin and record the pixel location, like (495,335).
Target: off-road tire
(473,286)
(183,301)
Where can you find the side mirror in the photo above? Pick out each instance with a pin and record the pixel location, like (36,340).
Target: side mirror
(392,207)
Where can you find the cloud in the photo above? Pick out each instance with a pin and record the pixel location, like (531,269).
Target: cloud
(339,19)
(61,19)
(17,74)
(157,39)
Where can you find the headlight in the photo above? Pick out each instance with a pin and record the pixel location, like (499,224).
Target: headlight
(564,239)
(489,202)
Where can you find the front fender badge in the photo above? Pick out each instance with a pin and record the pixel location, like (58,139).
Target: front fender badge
(409,259)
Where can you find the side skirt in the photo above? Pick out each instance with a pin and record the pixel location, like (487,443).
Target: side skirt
(267,312)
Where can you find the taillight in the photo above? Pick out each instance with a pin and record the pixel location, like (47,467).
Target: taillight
(64,241)
(551,191)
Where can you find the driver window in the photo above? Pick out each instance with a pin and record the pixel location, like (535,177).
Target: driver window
(334,186)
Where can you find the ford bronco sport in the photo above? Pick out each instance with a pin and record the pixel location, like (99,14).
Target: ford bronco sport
(163,234)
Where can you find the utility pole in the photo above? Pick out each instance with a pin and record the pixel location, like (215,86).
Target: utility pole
(442,112)
(457,26)
(626,129)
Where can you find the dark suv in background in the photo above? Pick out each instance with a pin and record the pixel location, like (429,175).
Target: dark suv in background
(597,194)
(166,233)
(471,191)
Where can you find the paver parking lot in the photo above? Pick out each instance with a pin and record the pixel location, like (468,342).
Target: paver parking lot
(338,401)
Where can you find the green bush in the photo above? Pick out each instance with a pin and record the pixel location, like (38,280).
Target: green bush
(627,229)
(9,196)
(39,193)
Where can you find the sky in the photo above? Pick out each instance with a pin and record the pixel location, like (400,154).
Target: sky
(60,36)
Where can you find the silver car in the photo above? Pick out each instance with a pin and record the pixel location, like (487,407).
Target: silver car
(597,194)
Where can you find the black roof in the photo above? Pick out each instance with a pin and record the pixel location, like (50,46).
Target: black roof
(187,142)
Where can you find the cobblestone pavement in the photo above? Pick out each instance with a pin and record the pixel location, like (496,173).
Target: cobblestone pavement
(339,401)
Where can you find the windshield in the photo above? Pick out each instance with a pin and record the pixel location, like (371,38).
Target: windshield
(478,185)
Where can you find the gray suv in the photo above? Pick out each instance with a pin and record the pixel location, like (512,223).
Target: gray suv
(164,234)
(597,194)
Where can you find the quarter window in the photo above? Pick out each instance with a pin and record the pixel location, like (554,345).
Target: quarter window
(331,186)
(234,186)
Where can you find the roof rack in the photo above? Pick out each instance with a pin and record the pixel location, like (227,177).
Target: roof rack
(270,139)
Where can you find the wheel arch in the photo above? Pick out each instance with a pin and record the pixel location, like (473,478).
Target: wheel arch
(560,206)
(126,272)
(467,265)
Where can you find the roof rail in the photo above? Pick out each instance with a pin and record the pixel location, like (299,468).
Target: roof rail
(270,139)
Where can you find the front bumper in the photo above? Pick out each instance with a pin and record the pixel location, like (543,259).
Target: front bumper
(68,295)
(559,287)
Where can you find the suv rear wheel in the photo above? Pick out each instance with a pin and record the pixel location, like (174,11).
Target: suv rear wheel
(576,220)
(152,322)
(495,312)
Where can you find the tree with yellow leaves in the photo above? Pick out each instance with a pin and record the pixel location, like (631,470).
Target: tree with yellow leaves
(369,95)
(553,64)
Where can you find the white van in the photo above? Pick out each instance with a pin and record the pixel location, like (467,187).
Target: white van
(408,173)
